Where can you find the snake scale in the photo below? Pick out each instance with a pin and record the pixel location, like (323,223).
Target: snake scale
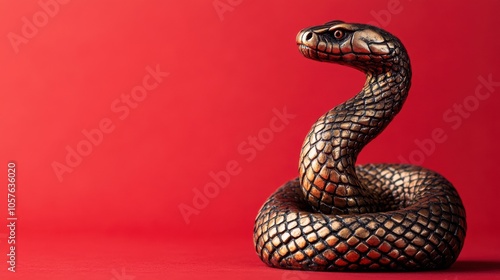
(338,216)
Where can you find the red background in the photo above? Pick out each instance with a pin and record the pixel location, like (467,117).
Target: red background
(118,213)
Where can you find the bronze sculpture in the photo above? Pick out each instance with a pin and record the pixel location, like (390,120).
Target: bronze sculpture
(340,216)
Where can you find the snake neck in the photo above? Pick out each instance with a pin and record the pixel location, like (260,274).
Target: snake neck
(327,161)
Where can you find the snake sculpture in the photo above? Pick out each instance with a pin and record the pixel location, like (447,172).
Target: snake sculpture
(338,216)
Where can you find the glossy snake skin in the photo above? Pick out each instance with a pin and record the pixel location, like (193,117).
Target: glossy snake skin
(338,216)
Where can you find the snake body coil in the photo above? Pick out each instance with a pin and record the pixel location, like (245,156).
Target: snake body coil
(340,216)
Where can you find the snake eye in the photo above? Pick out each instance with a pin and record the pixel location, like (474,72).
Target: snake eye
(338,34)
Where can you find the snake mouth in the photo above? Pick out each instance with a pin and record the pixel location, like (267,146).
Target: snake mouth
(316,54)
(306,51)
(309,52)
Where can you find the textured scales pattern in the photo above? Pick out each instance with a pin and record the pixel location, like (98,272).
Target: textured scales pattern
(339,216)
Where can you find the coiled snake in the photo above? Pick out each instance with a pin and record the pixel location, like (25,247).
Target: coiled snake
(340,216)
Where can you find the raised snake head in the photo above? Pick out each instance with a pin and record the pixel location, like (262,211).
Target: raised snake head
(361,46)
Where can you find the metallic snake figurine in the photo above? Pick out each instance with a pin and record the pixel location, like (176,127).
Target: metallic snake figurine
(339,216)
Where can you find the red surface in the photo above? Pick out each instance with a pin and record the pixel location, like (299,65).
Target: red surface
(212,125)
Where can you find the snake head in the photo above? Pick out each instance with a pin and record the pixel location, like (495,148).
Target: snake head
(365,47)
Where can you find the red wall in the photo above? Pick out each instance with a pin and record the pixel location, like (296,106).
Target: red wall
(167,99)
